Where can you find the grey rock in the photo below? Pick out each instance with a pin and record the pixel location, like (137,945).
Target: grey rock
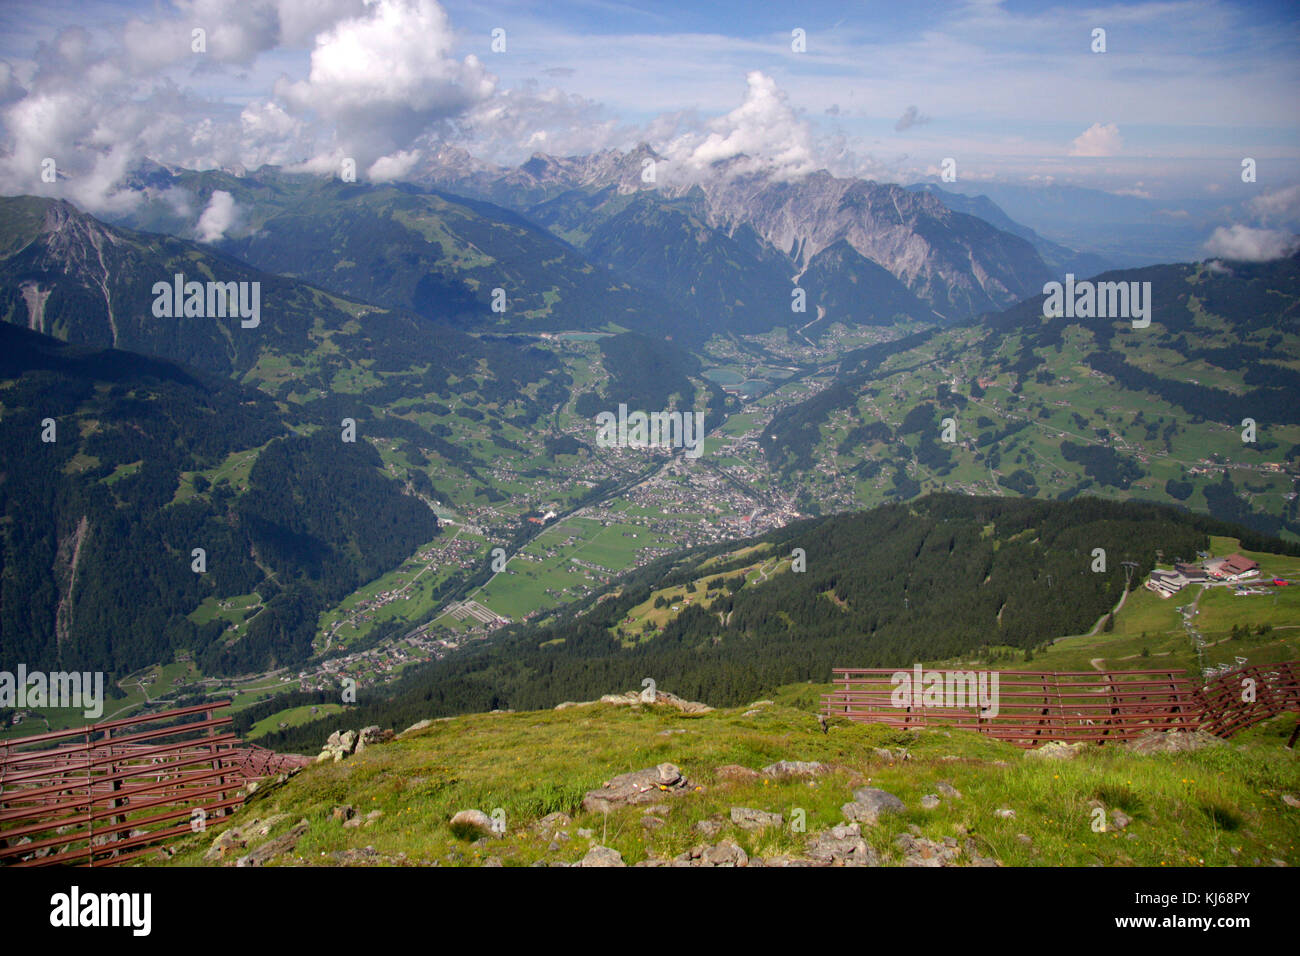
(472,822)
(418,725)
(661,699)
(841,846)
(370,736)
(276,847)
(602,856)
(638,787)
(918,851)
(726,853)
(869,803)
(898,753)
(749,819)
(708,828)
(1056,750)
(794,768)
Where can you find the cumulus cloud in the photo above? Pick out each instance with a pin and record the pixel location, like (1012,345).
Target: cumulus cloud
(217,218)
(1097,140)
(763,134)
(1247,244)
(911,117)
(97,119)
(383,79)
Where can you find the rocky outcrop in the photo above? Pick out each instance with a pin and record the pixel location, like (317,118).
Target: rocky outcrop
(725,853)
(869,804)
(254,833)
(1056,750)
(342,744)
(749,819)
(638,787)
(277,847)
(919,851)
(601,856)
(418,725)
(842,846)
(369,736)
(238,837)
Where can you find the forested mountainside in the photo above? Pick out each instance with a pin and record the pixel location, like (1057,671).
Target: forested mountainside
(105,500)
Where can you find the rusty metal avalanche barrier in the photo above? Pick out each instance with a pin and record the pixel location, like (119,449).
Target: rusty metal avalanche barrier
(107,793)
(1035,707)
(1229,707)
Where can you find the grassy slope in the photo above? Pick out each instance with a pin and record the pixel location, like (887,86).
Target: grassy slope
(1215,807)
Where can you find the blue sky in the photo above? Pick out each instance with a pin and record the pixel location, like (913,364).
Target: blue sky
(1011,90)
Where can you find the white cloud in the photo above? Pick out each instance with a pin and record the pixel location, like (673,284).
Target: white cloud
(1097,140)
(383,79)
(388,168)
(217,218)
(1246,244)
(1279,206)
(764,130)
